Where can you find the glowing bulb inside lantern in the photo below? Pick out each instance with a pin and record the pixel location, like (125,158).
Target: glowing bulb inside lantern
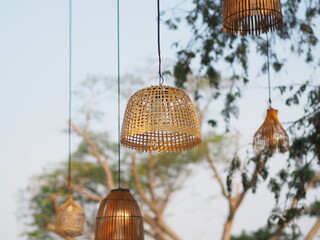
(122,214)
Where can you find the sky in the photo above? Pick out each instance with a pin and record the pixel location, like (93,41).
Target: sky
(34,98)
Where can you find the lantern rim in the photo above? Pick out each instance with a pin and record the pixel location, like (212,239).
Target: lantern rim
(241,31)
(242,19)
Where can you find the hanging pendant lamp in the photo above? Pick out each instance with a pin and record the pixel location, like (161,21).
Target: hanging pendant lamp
(70,219)
(70,216)
(251,17)
(119,216)
(271,137)
(160,118)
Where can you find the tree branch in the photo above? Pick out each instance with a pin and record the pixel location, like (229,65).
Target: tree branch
(139,187)
(259,166)
(154,225)
(276,235)
(157,223)
(150,183)
(94,152)
(235,202)
(313,230)
(165,201)
(217,175)
(53,198)
(86,193)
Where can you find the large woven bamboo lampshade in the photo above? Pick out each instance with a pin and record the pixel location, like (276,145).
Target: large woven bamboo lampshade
(119,217)
(70,219)
(251,16)
(160,119)
(271,137)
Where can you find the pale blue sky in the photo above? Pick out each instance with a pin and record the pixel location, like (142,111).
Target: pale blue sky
(33,96)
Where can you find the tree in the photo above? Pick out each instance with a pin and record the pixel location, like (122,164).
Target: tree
(263,234)
(208,47)
(153,179)
(303,161)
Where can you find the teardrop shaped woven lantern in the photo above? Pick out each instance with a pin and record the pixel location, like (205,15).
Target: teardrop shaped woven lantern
(160,119)
(271,136)
(70,219)
(251,17)
(119,217)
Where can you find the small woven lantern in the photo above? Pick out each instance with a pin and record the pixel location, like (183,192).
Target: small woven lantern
(160,119)
(119,217)
(251,16)
(70,219)
(271,136)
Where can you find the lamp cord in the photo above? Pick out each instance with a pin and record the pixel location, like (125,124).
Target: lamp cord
(161,79)
(70,92)
(268,66)
(118,52)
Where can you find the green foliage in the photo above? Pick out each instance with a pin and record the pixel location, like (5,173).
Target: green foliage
(168,170)
(260,234)
(265,233)
(53,182)
(303,162)
(241,167)
(314,209)
(209,44)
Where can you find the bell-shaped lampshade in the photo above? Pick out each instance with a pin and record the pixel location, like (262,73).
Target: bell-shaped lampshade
(251,16)
(70,219)
(271,137)
(119,217)
(160,119)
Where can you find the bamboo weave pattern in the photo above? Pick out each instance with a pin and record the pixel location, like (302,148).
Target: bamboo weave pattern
(119,217)
(160,119)
(70,219)
(271,137)
(251,17)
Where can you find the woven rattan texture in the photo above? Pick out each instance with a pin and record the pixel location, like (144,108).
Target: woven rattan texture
(119,217)
(271,137)
(251,17)
(160,119)
(70,219)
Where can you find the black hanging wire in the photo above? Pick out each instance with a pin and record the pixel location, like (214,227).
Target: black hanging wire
(161,79)
(118,52)
(70,92)
(268,66)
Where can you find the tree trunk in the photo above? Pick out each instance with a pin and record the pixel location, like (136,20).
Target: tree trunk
(227,229)
(313,230)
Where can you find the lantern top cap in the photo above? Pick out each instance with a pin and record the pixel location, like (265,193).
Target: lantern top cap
(120,189)
(270,109)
